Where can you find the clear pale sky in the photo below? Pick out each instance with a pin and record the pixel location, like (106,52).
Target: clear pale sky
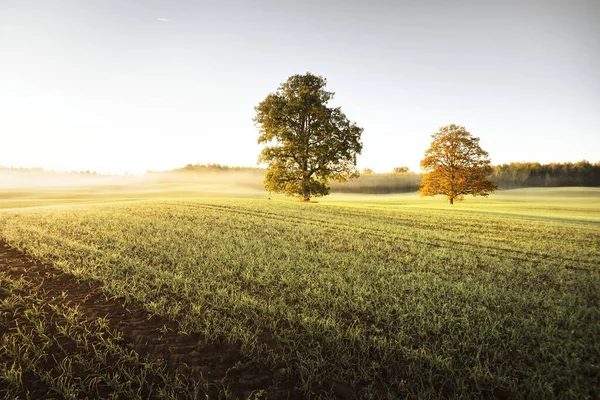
(123,85)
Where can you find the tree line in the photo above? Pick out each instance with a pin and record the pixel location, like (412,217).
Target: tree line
(513,175)
(401,180)
(214,168)
(534,174)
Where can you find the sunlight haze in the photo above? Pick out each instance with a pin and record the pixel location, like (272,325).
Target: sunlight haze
(116,86)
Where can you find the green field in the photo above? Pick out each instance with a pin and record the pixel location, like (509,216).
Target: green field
(387,296)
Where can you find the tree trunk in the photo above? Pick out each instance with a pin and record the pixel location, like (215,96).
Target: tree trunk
(451,200)
(306,189)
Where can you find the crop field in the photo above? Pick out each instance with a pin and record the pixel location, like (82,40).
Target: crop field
(354,296)
(49,347)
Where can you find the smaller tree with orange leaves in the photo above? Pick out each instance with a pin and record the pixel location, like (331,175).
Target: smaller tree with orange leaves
(456,165)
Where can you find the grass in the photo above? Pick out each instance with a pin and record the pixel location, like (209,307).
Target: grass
(388,296)
(565,204)
(51,349)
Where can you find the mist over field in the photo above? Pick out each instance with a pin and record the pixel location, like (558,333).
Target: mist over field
(43,184)
(243,182)
(200,179)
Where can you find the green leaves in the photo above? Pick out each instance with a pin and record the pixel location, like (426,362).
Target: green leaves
(307,144)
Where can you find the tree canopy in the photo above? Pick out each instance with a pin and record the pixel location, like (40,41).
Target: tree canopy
(307,144)
(456,165)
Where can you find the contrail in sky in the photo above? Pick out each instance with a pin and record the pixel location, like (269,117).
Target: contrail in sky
(163,19)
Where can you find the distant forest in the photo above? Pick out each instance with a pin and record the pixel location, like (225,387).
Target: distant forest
(506,176)
(534,174)
(216,168)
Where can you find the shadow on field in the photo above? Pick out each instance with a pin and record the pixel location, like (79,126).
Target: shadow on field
(232,375)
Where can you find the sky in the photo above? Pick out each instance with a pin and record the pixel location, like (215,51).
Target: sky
(128,85)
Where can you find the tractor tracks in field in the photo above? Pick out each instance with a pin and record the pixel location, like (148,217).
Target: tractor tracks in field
(446,243)
(151,336)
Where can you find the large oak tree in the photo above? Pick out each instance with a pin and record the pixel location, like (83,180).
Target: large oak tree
(456,165)
(307,143)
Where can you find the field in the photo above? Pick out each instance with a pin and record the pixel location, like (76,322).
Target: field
(354,296)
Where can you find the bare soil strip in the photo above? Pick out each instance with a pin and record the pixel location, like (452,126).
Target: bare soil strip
(152,336)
